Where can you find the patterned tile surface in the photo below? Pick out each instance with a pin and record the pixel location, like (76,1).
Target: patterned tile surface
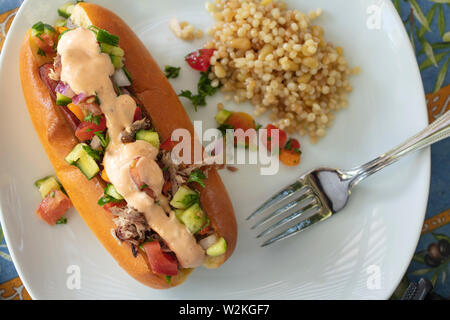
(425,21)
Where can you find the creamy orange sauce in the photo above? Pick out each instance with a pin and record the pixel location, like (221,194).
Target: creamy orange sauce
(88,71)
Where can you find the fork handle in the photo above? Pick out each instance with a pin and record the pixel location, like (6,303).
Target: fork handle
(437,131)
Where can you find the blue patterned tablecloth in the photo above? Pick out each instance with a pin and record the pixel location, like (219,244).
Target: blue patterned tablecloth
(426,22)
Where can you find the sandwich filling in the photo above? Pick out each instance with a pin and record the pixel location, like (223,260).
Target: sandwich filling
(88,71)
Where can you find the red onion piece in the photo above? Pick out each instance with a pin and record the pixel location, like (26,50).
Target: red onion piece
(65,89)
(121,78)
(208,241)
(79,98)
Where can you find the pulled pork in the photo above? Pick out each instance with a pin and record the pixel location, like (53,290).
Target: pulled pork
(179,174)
(129,134)
(131,225)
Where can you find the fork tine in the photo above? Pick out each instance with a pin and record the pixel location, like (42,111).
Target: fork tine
(280,196)
(298,228)
(283,221)
(282,210)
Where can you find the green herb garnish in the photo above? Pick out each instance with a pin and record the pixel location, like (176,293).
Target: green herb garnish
(204,89)
(223,128)
(104,141)
(104,36)
(106,199)
(189,200)
(127,74)
(172,72)
(197,176)
(143,186)
(92,119)
(61,221)
(141,246)
(96,154)
(41,52)
(169,279)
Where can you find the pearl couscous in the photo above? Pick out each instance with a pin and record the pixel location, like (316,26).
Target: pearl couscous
(184,30)
(280,62)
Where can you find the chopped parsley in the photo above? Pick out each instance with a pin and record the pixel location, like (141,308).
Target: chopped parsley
(92,119)
(169,279)
(172,72)
(223,128)
(141,246)
(127,73)
(189,200)
(95,154)
(52,194)
(104,36)
(97,99)
(204,89)
(62,221)
(143,186)
(106,199)
(104,140)
(41,52)
(197,176)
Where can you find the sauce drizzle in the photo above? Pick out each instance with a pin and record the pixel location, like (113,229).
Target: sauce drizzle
(88,71)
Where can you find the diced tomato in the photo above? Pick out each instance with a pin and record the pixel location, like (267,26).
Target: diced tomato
(42,48)
(168,145)
(160,262)
(244,121)
(289,157)
(199,60)
(86,130)
(53,207)
(270,143)
(292,145)
(205,230)
(110,205)
(167,187)
(241,120)
(137,114)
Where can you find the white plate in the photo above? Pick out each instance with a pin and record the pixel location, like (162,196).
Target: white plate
(340,259)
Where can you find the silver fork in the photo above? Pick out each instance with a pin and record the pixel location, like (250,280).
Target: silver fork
(321,193)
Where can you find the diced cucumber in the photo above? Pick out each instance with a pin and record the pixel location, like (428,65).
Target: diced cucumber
(88,166)
(110,190)
(184,198)
(193,218)
(150,136)
(116,61)
(62,100)
(81,159)
(60,23)
(39,28)
(178,213)
(113,50)
(223,116)
(217,249)
(66,10)
(75,154)
(47,184)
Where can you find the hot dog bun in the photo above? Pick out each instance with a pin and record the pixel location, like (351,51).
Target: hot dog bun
(161,104)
